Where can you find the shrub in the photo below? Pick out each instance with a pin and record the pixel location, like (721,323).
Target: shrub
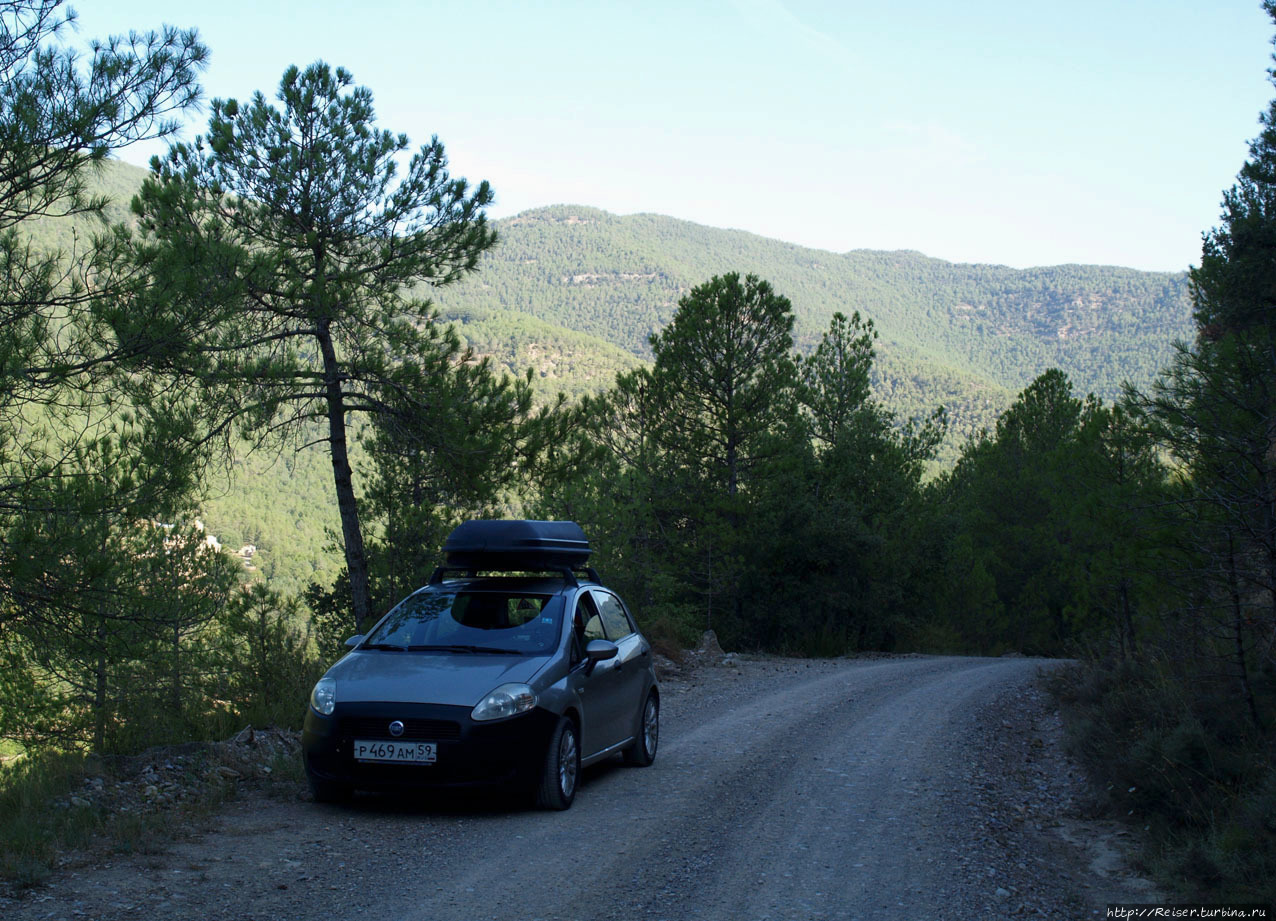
(1177,751)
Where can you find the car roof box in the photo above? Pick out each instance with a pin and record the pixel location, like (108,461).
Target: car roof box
(517,545)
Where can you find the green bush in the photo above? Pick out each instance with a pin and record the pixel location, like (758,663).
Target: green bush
(671,628)
(266,662)
(1181,754)
(32,829)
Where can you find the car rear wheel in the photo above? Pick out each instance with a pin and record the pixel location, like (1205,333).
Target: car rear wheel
(561,772)
(643,751)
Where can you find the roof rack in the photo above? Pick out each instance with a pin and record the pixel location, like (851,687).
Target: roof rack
(471,572)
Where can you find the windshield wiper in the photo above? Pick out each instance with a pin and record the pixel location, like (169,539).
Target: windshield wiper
(464,648)
(392,646)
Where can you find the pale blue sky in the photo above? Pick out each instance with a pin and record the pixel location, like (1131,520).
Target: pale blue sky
(1021,132)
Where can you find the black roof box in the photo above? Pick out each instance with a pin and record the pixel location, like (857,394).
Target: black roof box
(516,545)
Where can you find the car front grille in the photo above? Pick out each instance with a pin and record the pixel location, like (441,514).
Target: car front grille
(378,727)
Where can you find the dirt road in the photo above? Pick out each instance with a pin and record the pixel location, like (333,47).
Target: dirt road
(910,788)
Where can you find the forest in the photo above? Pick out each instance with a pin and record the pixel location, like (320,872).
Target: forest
(572,293)
(299,294)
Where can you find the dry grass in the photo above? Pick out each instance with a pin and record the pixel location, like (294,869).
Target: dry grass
(57,808)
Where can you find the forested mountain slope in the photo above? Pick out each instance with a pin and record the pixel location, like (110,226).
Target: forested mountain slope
(573,293)
(968,336)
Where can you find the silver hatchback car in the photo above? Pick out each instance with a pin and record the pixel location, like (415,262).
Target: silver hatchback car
(520,670)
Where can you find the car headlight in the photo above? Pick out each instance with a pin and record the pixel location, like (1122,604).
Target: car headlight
(324,697)
(507,700)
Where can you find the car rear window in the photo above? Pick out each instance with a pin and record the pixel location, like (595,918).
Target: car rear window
(525,623)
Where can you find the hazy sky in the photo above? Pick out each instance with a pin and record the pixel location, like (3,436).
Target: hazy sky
(1021,132)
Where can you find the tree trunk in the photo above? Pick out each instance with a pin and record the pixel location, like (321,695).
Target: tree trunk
(263,653)
(1238,624)
(1269,486)
(175,689)
(99,690)
(352,534)
(1127,618)
(708,621)
(1269,533)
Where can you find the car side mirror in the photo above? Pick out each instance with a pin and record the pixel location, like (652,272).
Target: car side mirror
(354,641)
(599,651)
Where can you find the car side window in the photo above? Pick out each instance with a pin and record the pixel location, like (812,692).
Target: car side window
(615,620)
(589,623)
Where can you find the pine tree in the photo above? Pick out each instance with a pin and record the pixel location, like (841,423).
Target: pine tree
(77,468)
(276,262)
(724,370)
(725,385)
(1214,409)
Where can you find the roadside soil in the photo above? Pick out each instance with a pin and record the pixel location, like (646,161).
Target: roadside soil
(869,788)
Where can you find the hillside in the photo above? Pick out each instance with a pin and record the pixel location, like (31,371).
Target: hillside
(573,293)
(968,336)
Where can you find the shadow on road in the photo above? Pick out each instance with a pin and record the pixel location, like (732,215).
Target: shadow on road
(475,802)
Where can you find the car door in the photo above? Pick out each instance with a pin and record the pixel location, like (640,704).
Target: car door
(600,690)
(630,664)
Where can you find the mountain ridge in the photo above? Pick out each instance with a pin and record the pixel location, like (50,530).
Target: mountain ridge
(949,327)
(607,282)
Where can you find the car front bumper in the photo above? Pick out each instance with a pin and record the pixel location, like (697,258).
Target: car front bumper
(470,753)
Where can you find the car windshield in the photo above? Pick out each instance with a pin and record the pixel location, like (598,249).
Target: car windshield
(471,623)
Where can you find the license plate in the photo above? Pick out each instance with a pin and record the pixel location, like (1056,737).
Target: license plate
(403,752)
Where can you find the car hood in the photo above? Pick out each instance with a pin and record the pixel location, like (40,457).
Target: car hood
(457,679)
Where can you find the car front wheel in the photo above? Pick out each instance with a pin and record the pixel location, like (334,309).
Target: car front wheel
(561,772)
(643,751)
(329,791)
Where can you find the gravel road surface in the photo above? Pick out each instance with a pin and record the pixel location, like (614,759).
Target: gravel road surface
(895,788)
